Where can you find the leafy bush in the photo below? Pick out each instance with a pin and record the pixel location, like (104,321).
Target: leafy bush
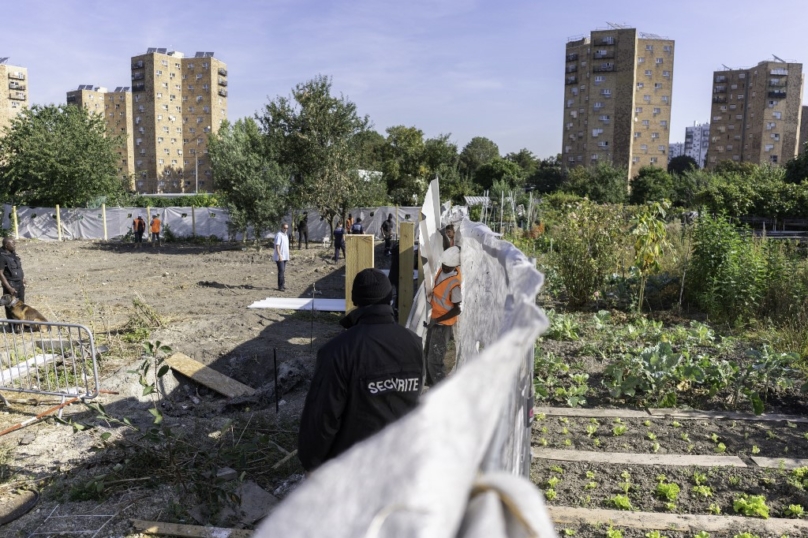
(621,502)
(751,505)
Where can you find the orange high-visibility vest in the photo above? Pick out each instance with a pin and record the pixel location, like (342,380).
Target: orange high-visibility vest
(442,296)
(155,226)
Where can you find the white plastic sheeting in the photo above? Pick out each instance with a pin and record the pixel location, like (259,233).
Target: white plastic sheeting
(40,223)
(420,477)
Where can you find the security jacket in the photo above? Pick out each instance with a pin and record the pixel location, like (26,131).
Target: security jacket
(365,378)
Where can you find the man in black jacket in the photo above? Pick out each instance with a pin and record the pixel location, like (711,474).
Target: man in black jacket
(365,378)
(11,274)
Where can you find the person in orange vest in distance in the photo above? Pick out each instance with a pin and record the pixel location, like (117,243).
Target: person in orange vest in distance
(139,227)
(445,302)
(155,230)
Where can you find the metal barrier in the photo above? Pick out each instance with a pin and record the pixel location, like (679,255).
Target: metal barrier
(57,359)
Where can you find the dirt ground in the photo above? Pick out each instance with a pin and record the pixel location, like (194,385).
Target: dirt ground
(200,293)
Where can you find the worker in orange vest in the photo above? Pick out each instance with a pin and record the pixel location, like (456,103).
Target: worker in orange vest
(155,230)
(445,302)
(139,228)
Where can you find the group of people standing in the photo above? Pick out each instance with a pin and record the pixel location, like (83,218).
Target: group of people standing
(139,228)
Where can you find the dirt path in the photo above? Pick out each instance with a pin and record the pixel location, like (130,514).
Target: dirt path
(200,293)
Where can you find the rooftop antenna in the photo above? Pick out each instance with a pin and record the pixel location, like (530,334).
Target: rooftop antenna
(779,59)
(726,67)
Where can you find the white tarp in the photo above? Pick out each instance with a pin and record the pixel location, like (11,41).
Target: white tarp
(420,477)
(288,303)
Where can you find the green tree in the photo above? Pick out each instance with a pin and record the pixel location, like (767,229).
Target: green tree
(499,170)
(253,184)
(681,164)
(370,145)
(797,168)
(651,184)
(548,177)
(58,155)
(476,153)
(317,138)
(403,164)
(602,183)
(526,161)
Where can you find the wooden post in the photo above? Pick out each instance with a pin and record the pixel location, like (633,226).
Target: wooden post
(406,252)
(358,256)
(193,221)
(14,222)
(148,223)
(104,219)
(58,223)
(398,233)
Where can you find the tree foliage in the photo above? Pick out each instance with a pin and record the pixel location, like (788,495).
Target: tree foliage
(253,184)
(499,170)
(476,153)
(601,183)
(318,137)
(681,164)
(403,164)
(59,155)
(548,177)
(651,184)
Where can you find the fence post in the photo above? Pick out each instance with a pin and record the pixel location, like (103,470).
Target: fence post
(14,222)
(406,243)
(193,221)
(104,219)
(58,223)
(358,256)
(148,223)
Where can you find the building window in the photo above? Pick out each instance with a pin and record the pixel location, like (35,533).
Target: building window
(666,74)
(661,148)
(638,110)
(770,125)
(663,124)
(648,73)
(598,79)
(666,48)
(637,134)
(598,105)
(773,159)
(654,136)
(158,72)
(657,111)
(635,159)
(649,48)
(657,85)
(606,92)
(646,98)
(640,85)
(644,147)
(653,160)
(641,60)
(646,123)
(596,132)
(777,115)
(775,136)
(768,147)
(659,61)
(665,99)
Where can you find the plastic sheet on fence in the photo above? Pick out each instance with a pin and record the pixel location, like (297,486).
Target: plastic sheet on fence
(418,475)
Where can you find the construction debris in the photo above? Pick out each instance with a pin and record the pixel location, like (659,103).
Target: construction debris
(191,531)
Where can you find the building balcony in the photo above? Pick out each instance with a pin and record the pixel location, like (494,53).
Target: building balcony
(139,87)
(720,89)
(571,80)
(605,41)
(16,76)
(606,68)
(137,65)
(779,72)
(777,94)
(603,55)
(571,69)
(16,86)
(223,71)
(721,79)
(72,100)
(17,96)
(719,99)
(572,57)
(138,76)
(223,93)
(222,82)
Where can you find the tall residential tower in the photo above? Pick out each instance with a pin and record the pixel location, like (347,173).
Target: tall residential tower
(13,91)
(617,99)
(177,102)
(756,114)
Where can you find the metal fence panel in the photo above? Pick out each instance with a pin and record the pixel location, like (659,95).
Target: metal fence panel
(48,358)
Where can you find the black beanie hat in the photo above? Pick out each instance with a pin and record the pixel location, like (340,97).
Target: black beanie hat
(371,286)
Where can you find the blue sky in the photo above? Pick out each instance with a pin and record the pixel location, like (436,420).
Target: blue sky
(469,68)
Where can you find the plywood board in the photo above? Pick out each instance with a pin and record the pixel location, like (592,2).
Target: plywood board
(688,414)
(190,531)
(208,376)
(290,303)
(405,261)
(627,458)
(777,463)
(567,515)
(358,256)
(578,412)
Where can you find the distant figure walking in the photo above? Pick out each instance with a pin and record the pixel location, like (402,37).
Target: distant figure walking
(339,241)
(281,255)
(357,227)
(349,222)
(155,230)
(303,231)
(387,233)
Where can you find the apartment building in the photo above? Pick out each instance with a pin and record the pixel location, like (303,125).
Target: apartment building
(697,142)
(675,149)
(803,131)
(177,102)
(617,99)
(116,109)
(13,91)
(756,113)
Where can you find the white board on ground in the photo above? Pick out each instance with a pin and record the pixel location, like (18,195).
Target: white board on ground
(567,515)
(780,463)
(25,368)
(627,458)
(295,303)
(579,412)
(693,414)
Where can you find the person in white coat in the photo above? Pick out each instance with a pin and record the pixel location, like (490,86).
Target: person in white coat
(281,255)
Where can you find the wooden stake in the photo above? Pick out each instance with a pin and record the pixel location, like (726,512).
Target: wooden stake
(104,219)
(14,222)
(358,256)
(193,221)
(58,223)
(406,252)
(148,223)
